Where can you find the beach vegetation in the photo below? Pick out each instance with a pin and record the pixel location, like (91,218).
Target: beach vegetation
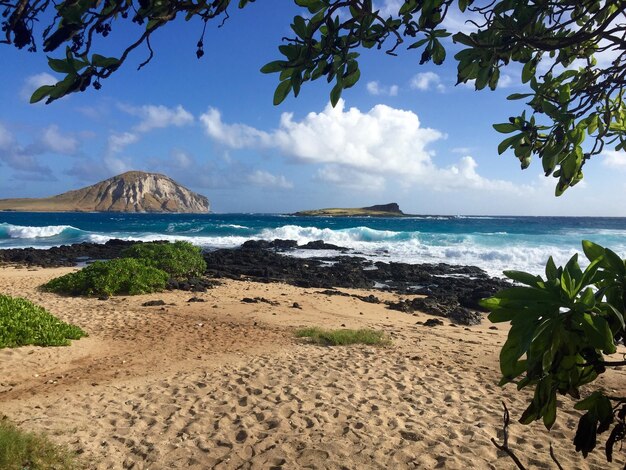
(572,98)
(122,276)
(181,260)
(20,450)
(564,328)
(23,323)
(344,337)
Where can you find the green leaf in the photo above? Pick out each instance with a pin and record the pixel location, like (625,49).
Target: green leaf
(419,43)
(272,67)
(282,90)
(518,96)
(40,93)
(335,94)
(528,71)
(523,277)
(505,128)
(100,61)
(508,142)
(60,65)
(551,270)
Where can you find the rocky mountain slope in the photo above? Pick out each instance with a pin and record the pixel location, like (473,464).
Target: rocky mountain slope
(133,191)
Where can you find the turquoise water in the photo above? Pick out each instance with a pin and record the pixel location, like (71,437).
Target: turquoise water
(493,243)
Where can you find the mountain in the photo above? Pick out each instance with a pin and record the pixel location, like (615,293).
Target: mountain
(382,210)
(133,191)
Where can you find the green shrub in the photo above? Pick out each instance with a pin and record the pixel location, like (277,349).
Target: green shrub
(20,450)
(564,330)
(23,323)
(343,337)
(118,276)
(180,260)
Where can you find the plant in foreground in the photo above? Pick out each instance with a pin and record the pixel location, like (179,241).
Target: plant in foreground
(21,450)
(118,276)
(561,329)
(344,337)
(24,323)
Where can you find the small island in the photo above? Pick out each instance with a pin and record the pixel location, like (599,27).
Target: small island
(381,210)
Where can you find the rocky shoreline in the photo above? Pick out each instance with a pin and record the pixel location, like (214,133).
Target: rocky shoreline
(451,291)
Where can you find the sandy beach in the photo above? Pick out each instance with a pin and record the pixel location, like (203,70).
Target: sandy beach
(225,384)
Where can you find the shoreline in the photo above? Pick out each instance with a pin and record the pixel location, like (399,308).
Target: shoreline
(224,383)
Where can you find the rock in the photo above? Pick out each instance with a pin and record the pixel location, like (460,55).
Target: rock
(248,300)
(321,245)
(133,191)
(433,322)
(296,305)
(153,303)
(196,299)
(465,316)
(447,307)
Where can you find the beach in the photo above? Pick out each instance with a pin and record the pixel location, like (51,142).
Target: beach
(222,383)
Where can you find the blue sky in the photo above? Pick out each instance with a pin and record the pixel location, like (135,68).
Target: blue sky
(404,133)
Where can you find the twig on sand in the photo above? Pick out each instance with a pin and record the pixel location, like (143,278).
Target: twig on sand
(504,447)
(553,455)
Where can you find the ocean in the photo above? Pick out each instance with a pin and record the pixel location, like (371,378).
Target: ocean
(492,243)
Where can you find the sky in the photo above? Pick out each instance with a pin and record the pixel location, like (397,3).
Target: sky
(404,133)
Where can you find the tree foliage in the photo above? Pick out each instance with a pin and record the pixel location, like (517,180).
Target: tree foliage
(571,54)
(561,329)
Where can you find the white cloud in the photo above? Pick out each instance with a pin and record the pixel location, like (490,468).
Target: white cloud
(267,180)
(52,140)
(35,81)
(614,159)
(158,117)
(233,135)
(117,142)
(425,81)
(6,138)
(17,157)
(349,178)
(505,81)
(358,149)
(117,165)
(181,159)
(388,7)
(376,89)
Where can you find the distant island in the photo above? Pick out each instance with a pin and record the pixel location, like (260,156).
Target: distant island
(381,210)
(133,191)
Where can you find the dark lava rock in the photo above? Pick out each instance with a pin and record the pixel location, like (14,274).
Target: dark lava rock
(64,255)
(296,305)
(194,284)
(333,292)
(465,316)
(447,307)
(153,303)
(371,299)
(248,300)
(433,322)
(322,245)
(277,244)
(196,299)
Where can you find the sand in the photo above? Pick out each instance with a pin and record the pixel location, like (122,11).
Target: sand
(224,384)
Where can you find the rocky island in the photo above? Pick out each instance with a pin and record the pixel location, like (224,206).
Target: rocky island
(133,191)
(381,210)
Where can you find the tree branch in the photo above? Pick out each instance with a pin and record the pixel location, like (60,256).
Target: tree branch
(504,447)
